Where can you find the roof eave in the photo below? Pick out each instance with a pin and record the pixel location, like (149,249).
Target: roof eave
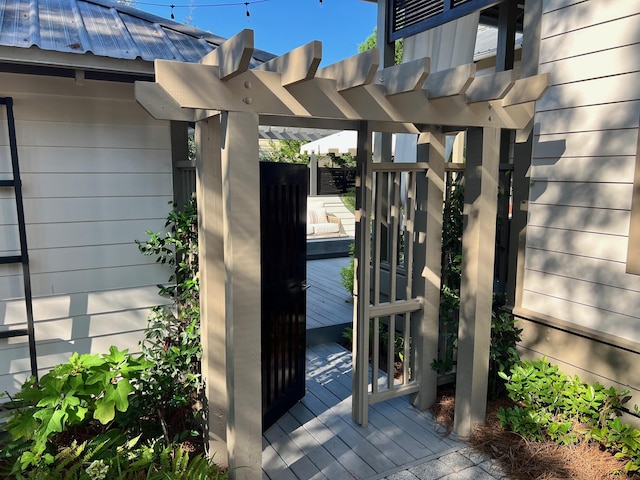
(36,57)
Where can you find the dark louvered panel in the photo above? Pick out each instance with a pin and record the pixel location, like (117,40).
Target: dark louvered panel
(409,17)
(410,12)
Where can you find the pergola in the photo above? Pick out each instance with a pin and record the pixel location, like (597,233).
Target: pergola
(229,101)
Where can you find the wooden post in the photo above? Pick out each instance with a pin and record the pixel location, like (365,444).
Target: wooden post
(476,288)
(313,175)
(212,282)
(228,194)
(362,254)
(522,160)
(241,224)
(427,263)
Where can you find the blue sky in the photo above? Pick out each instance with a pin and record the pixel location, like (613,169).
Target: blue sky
(281,25)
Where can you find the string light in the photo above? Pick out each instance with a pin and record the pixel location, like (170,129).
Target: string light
(206,5)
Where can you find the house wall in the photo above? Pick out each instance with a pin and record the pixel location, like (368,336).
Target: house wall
(96,174)
(580,307)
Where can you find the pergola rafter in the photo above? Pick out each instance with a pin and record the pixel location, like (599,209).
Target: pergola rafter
(353,89)
(228,100)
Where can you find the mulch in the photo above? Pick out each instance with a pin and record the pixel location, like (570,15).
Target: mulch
(525,460)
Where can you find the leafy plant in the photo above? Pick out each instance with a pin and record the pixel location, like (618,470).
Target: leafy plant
(88,390)
(285,151)
(347,273)
(551,405)
(112,456)
(173,387)
(115,401)
(349,199)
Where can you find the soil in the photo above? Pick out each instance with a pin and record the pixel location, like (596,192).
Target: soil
(525,460)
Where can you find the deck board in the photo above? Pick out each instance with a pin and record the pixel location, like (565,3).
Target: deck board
(328,303)
(317,438)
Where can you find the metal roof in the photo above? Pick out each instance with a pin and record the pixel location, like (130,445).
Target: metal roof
(104,29)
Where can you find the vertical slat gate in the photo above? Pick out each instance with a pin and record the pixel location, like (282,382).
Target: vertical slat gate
(385,298)
(283,235)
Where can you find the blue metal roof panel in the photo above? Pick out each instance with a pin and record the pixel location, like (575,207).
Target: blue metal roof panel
(14,23)
(191,48)
(59,27)
(103,28)
(107,32)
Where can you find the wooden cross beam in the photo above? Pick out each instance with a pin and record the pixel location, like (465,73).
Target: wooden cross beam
(353,89)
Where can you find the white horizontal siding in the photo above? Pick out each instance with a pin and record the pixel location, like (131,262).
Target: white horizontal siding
(79,234)
(597,38)
(580,219)
(582,170)
(583,14)
(38,159)
(96,174)
(586,244)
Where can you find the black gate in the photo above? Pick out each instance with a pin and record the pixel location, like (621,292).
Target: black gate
(283,207)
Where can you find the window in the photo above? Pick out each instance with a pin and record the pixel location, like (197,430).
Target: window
(409,17)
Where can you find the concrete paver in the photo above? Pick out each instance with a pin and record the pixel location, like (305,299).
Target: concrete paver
(464,463)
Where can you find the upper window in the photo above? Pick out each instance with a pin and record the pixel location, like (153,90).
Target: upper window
(409,17)
(633,250)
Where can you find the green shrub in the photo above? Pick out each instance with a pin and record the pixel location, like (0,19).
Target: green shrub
(552,406)
(131,412)
(347,273)
(173,387)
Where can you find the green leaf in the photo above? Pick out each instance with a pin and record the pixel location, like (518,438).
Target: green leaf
(120,395)
(105,410)
(23,425)
(116,356)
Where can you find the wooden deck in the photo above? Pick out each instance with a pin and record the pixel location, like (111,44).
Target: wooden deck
(328,303)
(317,438)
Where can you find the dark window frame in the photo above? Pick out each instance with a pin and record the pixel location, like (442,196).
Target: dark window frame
(445,11)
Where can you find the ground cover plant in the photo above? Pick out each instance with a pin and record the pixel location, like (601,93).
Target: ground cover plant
(118,415)
(552,426)
(550,405)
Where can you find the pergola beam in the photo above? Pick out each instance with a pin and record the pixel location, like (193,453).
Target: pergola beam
(405,77)
(353,71)
(163,106)
(490,87)
(297,65)
(402,94)
(233,56)
(453,81)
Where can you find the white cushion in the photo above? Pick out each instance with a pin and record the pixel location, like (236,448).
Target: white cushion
(317,215)
(320,228)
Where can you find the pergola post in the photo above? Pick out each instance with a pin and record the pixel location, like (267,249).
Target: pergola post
(228,193)
(241,225)
(427,263)
(362,280)
(212,281)
(476,286)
